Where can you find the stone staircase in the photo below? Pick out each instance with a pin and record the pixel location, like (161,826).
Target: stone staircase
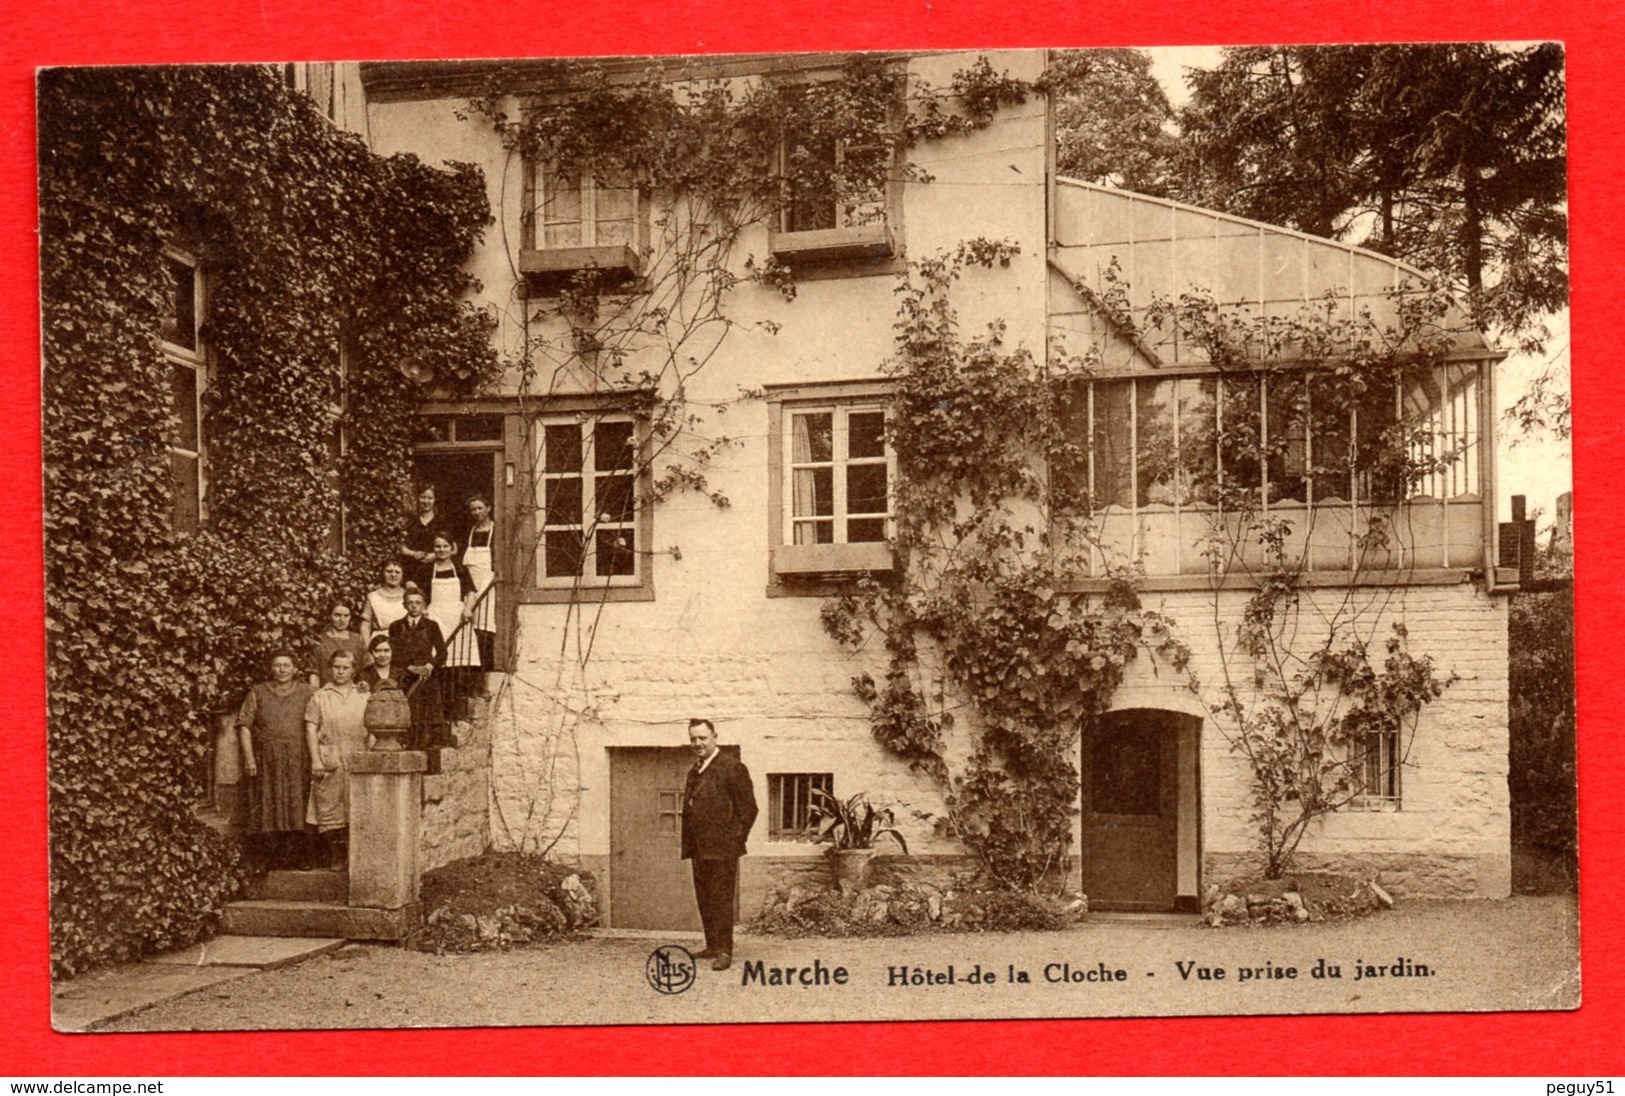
(316,904)
(403,821)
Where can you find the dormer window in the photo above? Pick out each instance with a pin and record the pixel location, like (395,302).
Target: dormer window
(584,221)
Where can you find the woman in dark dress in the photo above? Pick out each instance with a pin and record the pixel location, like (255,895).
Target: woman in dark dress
(336,638)
(271,733)
(383,663)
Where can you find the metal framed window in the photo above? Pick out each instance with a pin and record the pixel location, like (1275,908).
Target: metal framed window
(790,803)
(1376,762)
(1158,449)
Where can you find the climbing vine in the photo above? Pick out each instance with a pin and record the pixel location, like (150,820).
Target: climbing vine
(704,163)
(335,301)
(709,160)
(1320,691)
(998,527)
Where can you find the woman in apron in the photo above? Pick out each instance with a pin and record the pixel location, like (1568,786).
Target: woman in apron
(480,561)
(451,605)
(386,604)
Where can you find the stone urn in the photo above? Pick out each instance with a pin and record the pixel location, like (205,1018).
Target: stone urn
(388,717)
(850,868)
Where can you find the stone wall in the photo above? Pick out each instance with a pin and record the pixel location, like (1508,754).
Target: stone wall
(781,690)
(1406,874)
(456,820)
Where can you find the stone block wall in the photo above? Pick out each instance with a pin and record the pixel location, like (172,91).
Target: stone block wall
(1450,832)
(535,765)
(456,821)
(1409,874)
(781,690)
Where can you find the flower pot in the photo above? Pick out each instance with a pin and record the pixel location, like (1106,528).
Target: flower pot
(850,867)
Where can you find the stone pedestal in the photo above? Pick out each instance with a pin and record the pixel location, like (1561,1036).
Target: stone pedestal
(386,805)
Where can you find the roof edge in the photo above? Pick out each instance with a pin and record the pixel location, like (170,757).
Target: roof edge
(1234,219)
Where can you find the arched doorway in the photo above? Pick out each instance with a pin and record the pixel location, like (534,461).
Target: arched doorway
(1139,810)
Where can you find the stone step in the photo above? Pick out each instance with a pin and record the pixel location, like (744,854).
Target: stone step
(296,917)
(307,886)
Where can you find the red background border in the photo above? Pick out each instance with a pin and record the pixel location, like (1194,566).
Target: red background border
(1582,1043)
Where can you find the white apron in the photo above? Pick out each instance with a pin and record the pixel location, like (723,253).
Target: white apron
(477,559)
(446,610)
(384,611)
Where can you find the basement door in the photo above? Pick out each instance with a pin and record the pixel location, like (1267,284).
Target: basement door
(650,884)
(1131,810)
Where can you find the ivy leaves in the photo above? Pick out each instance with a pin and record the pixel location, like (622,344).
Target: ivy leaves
(981,594)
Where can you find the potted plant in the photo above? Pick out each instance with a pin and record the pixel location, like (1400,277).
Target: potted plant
(852,828)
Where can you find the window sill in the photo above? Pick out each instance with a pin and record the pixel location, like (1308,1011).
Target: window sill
(550,269)
(814,560)
(1415,576)
(786,849)
(584,594)
(825,570)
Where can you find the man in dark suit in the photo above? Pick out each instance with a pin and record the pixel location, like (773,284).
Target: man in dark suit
(719,808)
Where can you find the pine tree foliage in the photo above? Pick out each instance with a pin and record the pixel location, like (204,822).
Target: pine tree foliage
(1451,157)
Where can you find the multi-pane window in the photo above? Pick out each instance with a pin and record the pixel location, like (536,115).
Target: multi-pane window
(1445,406)
(839,476)
(1160,456)
(576,208)
(1375,760)
(181,335)
(790,803)
(589,501)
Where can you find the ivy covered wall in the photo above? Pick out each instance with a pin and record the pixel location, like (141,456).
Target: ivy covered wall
(306,242)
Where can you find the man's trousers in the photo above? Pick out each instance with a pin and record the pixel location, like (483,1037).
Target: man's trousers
(715,882)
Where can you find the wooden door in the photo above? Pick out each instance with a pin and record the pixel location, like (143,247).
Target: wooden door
(1131,811)
(650,884)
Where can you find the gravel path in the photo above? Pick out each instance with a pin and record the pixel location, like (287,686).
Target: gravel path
(1507,955)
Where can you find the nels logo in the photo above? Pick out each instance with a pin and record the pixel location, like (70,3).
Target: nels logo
(670,969)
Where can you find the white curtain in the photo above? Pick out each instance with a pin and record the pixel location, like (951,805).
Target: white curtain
(810,438)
